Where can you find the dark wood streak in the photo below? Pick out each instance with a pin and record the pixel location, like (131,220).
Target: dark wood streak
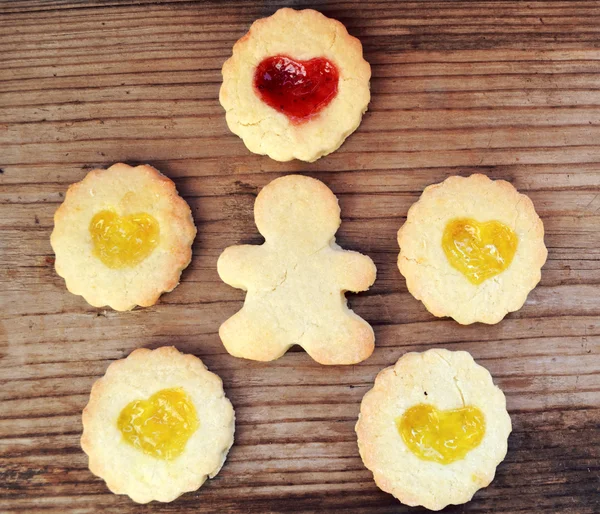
(505,88)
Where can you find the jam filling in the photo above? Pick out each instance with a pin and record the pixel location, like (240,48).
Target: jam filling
(123,241)
(298,89)
(161,425)
(479,250)
(441,436)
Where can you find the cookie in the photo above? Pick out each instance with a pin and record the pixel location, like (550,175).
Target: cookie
(296,280)
(122,237)
(296,86)
(157,425)
(433,428)
(472,249)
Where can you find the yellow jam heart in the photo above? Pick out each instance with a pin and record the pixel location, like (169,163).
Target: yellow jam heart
(441,436)
(479,250)
(161,425)
(123,241)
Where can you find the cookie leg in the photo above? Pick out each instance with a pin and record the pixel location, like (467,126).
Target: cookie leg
(251,338)
(350,341)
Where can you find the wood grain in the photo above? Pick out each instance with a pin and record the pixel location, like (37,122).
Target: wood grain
(506,88)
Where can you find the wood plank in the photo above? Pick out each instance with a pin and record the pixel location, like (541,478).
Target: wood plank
(500,87)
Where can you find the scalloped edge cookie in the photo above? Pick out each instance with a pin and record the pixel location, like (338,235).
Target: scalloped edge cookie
(127,470)
(300,35)
(450,380)
(444,290)
(127,190)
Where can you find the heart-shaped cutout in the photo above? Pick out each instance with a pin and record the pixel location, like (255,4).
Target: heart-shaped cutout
(441,436)
(298,89)
(123,241)
(479,250)
(161,425)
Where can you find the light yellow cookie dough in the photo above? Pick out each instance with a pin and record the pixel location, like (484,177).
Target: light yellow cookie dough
(500,212)
(301,35)
(295,281)
(142,472)
(450,384)
(122,237)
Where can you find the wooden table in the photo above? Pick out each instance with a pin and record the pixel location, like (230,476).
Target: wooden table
(510,89)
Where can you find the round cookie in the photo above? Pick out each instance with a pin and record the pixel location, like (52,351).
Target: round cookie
(122,237)
(433,428)
(296,86)
(472,249)
(157,425)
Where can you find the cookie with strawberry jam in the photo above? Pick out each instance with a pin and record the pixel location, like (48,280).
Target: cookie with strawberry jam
(296,86)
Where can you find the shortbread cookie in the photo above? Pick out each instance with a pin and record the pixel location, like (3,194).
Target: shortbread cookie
(433,428)
(296,86)
(157,425)
(472,249)
(122,237)
(296,280)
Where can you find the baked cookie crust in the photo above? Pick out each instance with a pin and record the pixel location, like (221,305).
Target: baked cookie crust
(125,190)
(296,280)
(447,380)
(126,469)
(301,35)
(444,290)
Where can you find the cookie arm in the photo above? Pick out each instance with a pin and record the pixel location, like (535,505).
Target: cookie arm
(354,271)
(240,266)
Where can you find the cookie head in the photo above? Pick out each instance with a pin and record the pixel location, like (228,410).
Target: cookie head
(297,210)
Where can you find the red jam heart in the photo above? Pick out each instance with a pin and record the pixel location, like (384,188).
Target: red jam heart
(298,89)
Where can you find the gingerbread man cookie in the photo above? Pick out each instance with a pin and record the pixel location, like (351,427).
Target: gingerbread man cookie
(296,280)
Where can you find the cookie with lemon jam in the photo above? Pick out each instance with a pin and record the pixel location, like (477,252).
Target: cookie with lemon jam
(433,429)
(472,249)
(157,425)
(122,237)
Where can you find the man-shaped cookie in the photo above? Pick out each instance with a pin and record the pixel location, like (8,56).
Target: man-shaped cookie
(296,280)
